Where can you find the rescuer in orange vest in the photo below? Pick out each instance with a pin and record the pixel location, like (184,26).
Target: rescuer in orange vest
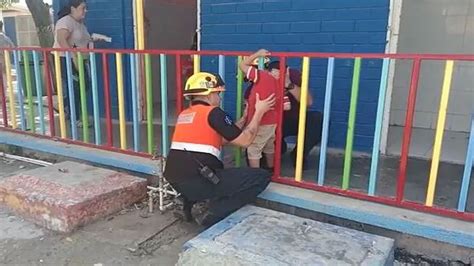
(194,167)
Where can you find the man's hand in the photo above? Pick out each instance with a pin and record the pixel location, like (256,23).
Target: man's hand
(243,120)
(247,62)
(287,78)
(246,110)
(250,131)
(265,105)
(262,53)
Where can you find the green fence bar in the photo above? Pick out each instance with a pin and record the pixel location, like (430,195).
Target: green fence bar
(82,86)
(149,103)
(238,111)
(29,92)
(351,124)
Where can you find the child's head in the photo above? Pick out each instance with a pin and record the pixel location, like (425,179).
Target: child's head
(274,69)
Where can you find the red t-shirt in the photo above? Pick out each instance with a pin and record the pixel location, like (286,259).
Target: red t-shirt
(264,84)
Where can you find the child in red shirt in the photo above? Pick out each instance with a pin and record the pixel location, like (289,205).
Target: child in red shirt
(264,84)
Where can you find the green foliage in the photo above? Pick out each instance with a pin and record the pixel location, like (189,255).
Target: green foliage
(7,3)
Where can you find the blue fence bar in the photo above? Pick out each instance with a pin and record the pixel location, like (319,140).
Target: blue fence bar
(327,115)
(378,127)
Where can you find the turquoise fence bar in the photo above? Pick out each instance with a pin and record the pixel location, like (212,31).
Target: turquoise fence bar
(222,74)
(72,101)
(261,63)
(29,91)
(39,91)
(378,127)
(19,87)
(95,98)
(133,82)
(327,115)
(164,105)
(463,193)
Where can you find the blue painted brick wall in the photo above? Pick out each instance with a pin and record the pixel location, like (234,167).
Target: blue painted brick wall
(114,19)
(307,26)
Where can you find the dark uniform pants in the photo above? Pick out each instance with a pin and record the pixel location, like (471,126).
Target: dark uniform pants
(237,187)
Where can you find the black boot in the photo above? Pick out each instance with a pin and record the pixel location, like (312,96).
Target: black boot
(185,213)
(206,219)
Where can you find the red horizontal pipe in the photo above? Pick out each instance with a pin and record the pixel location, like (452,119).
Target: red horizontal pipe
(467,216)
(79,143)
(459,57)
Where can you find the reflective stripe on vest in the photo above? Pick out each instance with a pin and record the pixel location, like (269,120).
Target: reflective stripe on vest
(183,146)
(194,133)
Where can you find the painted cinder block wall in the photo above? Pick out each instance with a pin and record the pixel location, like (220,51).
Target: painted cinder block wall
(113,18)
(306,26)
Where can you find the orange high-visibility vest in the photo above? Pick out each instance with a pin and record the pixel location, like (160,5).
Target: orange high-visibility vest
(193,132)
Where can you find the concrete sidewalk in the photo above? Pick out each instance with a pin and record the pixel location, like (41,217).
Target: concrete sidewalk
(129,237)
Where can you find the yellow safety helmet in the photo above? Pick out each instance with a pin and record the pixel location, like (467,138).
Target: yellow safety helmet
(203,83)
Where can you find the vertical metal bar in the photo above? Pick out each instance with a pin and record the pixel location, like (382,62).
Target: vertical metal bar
(59,86)
(378,127)
(95,98)
(179,86)
(29,91)
(279,130)
(149,103)
(3,99)
(327,115)
(82,87)
(72,96)
(463,193)
(197,63)
(302,118)
(121,101)
(39,91)
(222,74)
(238,106)
(351,124)
(19,87)
(164,105)
(49,94)
(107,102)
(443,108)
(11,95)
(402,170)
(133,79)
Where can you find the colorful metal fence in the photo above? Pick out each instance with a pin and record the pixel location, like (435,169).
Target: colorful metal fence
(134,76)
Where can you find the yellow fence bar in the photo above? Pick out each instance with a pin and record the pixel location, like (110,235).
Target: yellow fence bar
(59,86)
(302,118)
(197,63)
(11,95)
(121,101)
(140,24)
(443,106)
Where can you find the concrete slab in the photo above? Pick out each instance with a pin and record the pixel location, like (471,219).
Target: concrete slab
(64,196)
(443,229)
(258,236)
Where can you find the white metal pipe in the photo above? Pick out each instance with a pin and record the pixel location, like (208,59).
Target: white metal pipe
(198,24)
(25,159)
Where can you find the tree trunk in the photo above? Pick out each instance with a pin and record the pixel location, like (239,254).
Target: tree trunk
(44,26)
